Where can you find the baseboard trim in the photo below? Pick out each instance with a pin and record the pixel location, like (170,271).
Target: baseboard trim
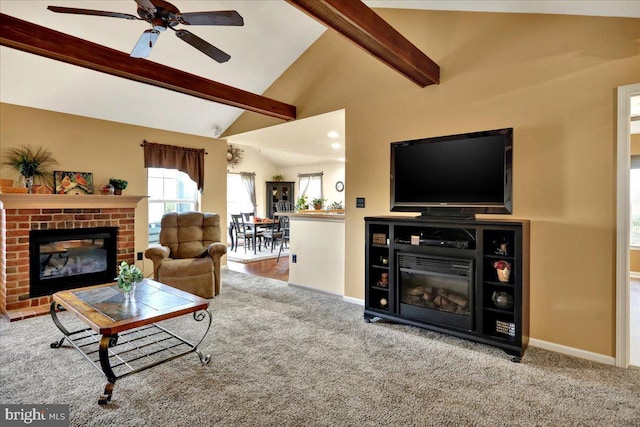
(352,300)
(575,352)
(320,291)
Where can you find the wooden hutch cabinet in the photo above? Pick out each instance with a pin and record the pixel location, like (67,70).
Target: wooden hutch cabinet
(277,191)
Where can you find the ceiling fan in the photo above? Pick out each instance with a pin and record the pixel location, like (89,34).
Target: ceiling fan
(162,15)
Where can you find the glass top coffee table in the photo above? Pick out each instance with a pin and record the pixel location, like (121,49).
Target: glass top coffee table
(122,336)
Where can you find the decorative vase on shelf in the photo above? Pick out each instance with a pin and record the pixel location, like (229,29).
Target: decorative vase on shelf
(503,269)
(28,182)
(502,300)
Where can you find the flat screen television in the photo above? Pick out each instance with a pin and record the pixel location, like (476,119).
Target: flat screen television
(455,176)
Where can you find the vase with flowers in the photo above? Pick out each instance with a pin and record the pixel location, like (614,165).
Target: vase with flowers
(128,278)
(503,269)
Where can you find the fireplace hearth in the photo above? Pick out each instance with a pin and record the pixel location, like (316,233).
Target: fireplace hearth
(62,259)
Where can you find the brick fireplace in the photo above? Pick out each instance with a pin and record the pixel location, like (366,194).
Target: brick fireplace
(21,213)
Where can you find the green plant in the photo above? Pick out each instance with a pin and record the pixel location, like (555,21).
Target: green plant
(336,205)
(128,276)
(277,177)
(302,203)
(120,184)
(30,163)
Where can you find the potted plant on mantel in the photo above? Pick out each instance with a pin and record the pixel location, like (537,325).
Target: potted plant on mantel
(118,185)
(30,164)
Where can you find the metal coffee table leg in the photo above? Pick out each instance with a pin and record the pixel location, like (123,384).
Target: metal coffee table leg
(130,351)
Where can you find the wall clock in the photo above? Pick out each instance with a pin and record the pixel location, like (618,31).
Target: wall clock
(340,186)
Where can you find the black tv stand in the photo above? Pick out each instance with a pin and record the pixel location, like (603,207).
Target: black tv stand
(407,260)
(448,213)
(452,216)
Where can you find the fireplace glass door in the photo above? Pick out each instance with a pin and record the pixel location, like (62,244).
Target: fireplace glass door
(436,289)
(70,258)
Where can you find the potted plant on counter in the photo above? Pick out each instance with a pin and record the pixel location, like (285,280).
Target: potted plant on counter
(317,203)
(302,204)
(118,185)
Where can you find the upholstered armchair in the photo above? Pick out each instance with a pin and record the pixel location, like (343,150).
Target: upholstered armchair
(188,257)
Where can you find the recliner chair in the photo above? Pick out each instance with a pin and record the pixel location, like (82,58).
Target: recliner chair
(188,257)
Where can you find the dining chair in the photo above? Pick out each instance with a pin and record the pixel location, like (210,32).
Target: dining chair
(274,233)
(249,236)
(285,206)
(285,222)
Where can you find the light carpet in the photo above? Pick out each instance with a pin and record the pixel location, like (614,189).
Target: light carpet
(285,356)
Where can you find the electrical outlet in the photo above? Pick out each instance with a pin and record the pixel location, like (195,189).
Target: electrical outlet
(139,256)
(294,258)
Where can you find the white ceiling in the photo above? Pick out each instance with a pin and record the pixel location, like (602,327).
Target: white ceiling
(275,34)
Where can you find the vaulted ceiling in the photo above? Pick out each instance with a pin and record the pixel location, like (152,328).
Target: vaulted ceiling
(275,34)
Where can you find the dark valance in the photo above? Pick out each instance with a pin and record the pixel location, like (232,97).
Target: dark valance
(187,160)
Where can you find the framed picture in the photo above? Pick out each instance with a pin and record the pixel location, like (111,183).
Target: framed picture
(73,182)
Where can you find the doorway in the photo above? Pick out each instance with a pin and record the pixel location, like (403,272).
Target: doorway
(623,226)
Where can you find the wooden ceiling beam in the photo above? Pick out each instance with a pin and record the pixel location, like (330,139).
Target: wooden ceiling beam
(28,37)
(356,21)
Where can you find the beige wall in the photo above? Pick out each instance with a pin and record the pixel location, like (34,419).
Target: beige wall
(553,79)
(109,149)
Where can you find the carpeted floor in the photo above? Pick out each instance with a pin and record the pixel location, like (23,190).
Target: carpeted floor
(285,356)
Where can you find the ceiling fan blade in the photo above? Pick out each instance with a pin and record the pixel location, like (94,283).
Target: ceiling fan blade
(75,11)
(203,46)
(147,5)
(146,42)
(223,17)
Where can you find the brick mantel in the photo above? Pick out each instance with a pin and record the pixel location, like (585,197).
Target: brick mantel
(20,213)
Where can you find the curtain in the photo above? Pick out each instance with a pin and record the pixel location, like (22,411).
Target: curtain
(187,160)
(304,184)
(311,184)
(249,181)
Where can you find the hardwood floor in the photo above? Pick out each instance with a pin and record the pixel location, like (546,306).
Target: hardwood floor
(267,268)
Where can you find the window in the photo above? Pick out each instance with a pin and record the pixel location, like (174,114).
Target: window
(311,185)
(169,191)
(238,198)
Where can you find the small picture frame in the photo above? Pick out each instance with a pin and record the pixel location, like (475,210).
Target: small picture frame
(73,182)
(379,238)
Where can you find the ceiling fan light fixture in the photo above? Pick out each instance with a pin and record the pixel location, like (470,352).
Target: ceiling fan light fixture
(162,15)
(146,42)
(158,24)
